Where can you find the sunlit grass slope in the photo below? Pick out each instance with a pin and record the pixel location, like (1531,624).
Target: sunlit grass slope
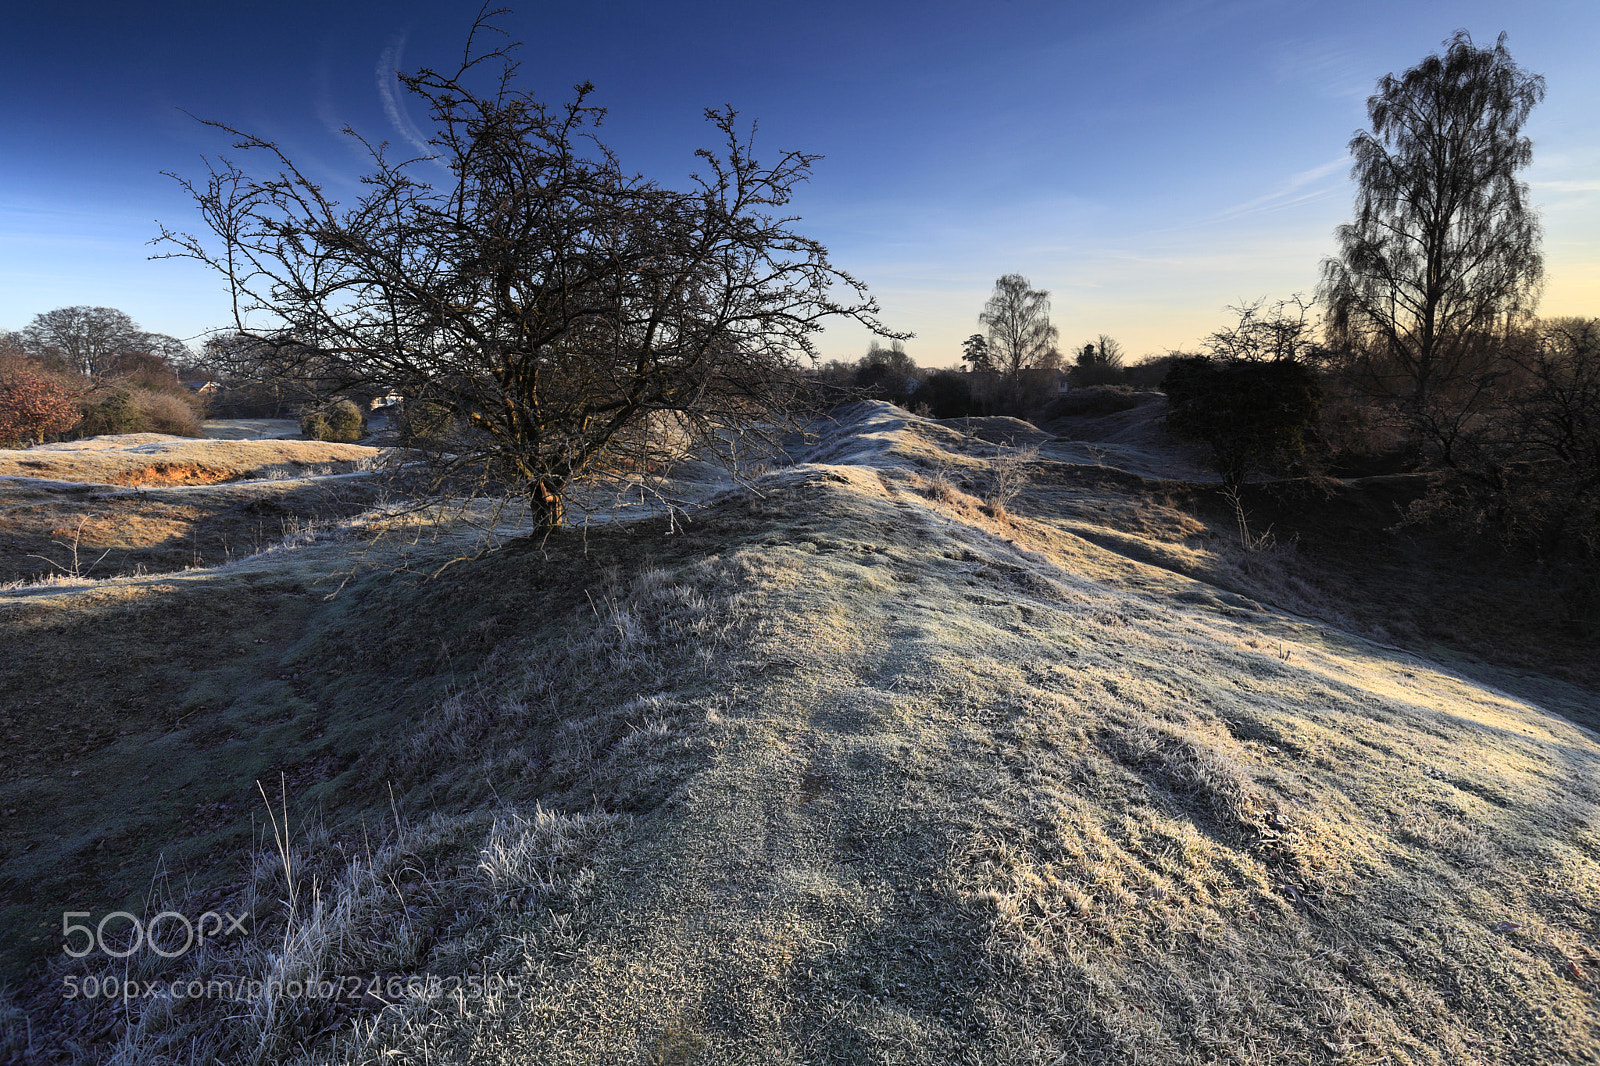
(152,459)
(851,770)
(150,503)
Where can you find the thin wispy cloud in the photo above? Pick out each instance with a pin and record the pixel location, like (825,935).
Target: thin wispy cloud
(1335,72)
(393,105)
(1300,188)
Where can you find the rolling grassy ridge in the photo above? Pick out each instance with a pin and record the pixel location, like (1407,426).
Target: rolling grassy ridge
(848,769)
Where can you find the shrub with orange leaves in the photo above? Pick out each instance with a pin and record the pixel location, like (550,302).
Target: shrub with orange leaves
(33,404)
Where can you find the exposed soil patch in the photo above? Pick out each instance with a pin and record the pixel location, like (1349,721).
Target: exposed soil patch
(163,473)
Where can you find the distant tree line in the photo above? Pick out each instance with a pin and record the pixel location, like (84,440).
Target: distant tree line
(1014,368)
(85,371)
(88,371)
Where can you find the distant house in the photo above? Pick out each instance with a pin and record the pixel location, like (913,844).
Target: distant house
(388,399)
(203,388)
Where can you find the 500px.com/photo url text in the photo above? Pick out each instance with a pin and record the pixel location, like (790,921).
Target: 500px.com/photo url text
(349,988)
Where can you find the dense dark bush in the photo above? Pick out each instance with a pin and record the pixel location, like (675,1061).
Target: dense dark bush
(1252,415)
(1100,400)
(1150,373)
(948,394)
(114,411)
(127,409)
(340,421)
(1088,375)
(169,413)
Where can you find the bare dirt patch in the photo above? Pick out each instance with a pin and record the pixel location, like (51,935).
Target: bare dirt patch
(163,473)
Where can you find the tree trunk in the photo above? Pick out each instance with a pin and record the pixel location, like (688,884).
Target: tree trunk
(549,508)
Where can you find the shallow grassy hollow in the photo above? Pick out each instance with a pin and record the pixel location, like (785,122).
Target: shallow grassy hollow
(151,503)
(855,771)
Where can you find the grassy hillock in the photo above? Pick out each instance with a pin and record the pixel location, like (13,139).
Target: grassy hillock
(887,761)
(151,503)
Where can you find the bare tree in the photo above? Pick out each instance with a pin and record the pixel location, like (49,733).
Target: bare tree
(1443,255)
(1020,334)
(1283,331)
(92,340)
(267,378)
(1098,362)
(570,317)
(1108,351)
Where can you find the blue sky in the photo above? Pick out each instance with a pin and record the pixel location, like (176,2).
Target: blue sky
(1147,163)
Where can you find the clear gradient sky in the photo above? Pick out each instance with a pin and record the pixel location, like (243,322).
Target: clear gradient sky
(1148,163)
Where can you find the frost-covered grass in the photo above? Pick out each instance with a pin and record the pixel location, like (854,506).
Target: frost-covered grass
(857,769)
